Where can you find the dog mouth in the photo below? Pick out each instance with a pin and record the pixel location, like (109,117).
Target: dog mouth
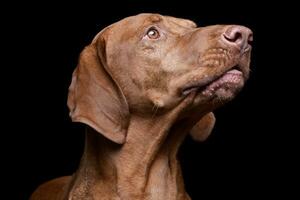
(230,81)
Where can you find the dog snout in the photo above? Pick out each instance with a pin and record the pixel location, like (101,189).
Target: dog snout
(239,36)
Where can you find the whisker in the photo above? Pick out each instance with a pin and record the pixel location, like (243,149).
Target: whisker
(155,110)
(153,107)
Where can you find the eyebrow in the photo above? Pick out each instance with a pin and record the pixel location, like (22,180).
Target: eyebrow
(179,28)
(155,18)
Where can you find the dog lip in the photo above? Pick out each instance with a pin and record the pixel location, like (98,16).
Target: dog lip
(197,86)
(201,85)
(234,72)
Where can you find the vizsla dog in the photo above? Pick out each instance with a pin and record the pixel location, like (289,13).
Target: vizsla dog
(141,86)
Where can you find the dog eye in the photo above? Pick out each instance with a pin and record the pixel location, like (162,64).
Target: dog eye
(153,33)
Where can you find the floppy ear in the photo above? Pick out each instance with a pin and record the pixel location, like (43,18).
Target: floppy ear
(94,97)
(203,127)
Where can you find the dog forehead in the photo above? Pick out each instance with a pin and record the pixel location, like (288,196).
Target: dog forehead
(145,19)
(139,20)
(133,26)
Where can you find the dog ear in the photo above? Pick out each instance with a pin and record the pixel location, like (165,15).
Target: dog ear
(203,127)
(95,98)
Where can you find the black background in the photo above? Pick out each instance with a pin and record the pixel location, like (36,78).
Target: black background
(252,152)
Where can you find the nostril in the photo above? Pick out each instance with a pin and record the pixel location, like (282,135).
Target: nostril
(238,36)
(250,39)
(233,36)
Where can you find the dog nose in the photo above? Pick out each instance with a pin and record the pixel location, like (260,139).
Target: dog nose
(239,36)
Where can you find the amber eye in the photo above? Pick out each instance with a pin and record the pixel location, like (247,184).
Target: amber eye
(153,33)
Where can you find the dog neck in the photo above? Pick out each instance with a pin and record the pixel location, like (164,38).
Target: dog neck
(144,167)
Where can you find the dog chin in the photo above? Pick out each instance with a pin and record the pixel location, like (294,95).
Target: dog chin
(223,89)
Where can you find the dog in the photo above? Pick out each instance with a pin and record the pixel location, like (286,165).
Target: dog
(141,86)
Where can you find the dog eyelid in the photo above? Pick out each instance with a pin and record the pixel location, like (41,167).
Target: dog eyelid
(153,33)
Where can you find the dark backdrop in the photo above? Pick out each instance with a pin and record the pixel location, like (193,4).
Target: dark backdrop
(252,151)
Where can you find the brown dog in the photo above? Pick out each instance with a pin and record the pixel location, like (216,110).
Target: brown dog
(141,86)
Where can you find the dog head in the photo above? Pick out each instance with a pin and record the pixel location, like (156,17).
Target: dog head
(151,63)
